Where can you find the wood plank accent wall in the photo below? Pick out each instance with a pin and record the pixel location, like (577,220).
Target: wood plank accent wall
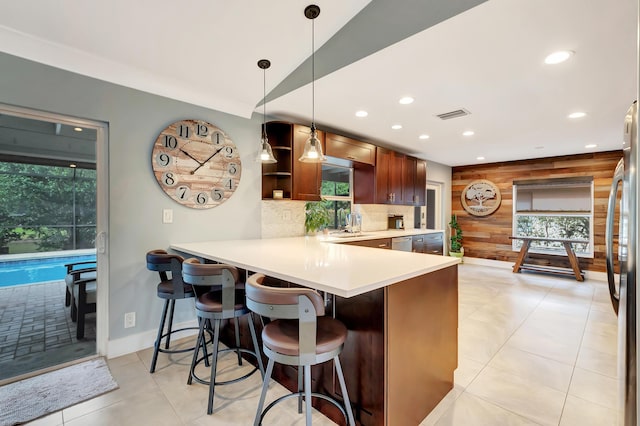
(488,237)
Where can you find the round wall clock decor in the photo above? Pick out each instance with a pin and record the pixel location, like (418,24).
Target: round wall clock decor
(196,164)
(481,198)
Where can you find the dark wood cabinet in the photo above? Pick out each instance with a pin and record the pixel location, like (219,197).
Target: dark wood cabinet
(383,243)
(409,169)
(414,181)
(350,149)
(399,178)
(307,177)
(428,243)
(380,175)
(420,184)
(297,180)
(433,243)
(388,176)
(278,175)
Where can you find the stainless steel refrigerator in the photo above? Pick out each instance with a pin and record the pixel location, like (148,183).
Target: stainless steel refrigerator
(623,208)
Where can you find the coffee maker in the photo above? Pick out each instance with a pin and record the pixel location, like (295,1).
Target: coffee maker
(395,221)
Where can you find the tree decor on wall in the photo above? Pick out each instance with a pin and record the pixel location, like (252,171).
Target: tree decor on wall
(481,198)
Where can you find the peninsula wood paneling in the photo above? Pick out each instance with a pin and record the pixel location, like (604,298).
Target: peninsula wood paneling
(488,237)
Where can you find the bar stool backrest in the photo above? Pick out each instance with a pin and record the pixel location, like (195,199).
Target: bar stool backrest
(163,262)
(288,303)
(211,276)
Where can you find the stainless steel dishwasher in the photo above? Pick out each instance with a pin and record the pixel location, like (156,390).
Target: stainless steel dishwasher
(401,243)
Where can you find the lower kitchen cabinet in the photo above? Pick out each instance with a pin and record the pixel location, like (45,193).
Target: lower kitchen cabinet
(428,243)
(383,243)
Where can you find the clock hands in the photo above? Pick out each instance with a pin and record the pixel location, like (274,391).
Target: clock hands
(191,156)
(207,160)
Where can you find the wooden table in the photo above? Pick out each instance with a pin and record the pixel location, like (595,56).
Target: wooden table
(567,243)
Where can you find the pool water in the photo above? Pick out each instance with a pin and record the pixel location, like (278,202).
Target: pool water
(30,271)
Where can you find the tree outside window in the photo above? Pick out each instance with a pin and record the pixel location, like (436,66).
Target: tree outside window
(46,208)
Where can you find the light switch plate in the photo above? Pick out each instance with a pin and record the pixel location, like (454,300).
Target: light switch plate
(167,216)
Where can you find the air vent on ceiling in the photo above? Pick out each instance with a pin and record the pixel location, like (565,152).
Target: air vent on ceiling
(453,114)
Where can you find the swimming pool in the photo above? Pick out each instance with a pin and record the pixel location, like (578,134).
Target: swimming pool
(30,271)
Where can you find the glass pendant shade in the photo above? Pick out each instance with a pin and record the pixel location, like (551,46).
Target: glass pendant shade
(312,149)
(266,153)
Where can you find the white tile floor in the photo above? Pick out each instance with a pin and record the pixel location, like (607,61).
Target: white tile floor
(533,350)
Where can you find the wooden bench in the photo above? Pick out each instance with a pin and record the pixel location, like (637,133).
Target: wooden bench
(567,243)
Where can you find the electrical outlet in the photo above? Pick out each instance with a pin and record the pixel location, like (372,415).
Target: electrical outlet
(167,216)
(129,319)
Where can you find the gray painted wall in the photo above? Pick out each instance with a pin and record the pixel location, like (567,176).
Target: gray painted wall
(135,200)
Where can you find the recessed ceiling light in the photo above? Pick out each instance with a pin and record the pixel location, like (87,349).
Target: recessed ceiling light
(77,129)
(423,136)
(539,147)
(468,133)
(577,114)
(479,158)
(406,100)
(361,113)
(558,57)
(591,145)
(396,126)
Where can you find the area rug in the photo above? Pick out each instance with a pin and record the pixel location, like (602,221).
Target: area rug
(37,396)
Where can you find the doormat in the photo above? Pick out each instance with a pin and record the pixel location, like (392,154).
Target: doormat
(38,396)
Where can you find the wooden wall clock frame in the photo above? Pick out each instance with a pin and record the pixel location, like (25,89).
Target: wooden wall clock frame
(196,164)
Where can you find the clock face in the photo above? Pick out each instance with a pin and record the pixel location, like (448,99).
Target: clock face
(196,164)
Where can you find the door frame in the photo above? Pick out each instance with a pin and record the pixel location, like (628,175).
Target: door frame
(102,207)
(439,205)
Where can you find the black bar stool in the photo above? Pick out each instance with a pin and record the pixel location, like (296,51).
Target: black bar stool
(170,288)
(301,335)
(219,296)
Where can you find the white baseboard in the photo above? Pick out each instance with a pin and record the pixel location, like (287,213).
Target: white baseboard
(588,275)
(144,340)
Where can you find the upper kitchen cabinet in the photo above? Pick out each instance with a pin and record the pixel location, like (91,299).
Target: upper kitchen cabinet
(414,181)
(389,171)
(307,177)
(350,149)
(399,178)
(278,176)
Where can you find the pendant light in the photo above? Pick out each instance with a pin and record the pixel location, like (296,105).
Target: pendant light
(265,155)
(312,147)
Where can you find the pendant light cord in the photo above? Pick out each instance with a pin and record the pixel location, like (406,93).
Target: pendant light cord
(313,75)
(264,103)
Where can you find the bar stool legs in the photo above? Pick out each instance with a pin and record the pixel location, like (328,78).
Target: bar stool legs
(305,394)
(213,326)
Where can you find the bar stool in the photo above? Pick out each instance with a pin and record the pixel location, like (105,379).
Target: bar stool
(170,288)
(219,296)
(299,334)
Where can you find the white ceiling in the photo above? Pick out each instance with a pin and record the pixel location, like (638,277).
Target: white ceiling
(487,59)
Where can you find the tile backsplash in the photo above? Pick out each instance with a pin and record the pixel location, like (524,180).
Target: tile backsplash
(285,218)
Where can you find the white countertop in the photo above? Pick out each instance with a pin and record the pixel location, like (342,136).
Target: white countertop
(343,270)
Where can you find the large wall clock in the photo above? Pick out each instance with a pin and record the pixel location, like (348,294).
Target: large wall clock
(196,164)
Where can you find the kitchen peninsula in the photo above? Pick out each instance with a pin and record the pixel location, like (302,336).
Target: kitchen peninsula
(401,310)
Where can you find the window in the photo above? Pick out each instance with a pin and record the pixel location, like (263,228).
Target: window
(47,206)
(336,191)
(554,208)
